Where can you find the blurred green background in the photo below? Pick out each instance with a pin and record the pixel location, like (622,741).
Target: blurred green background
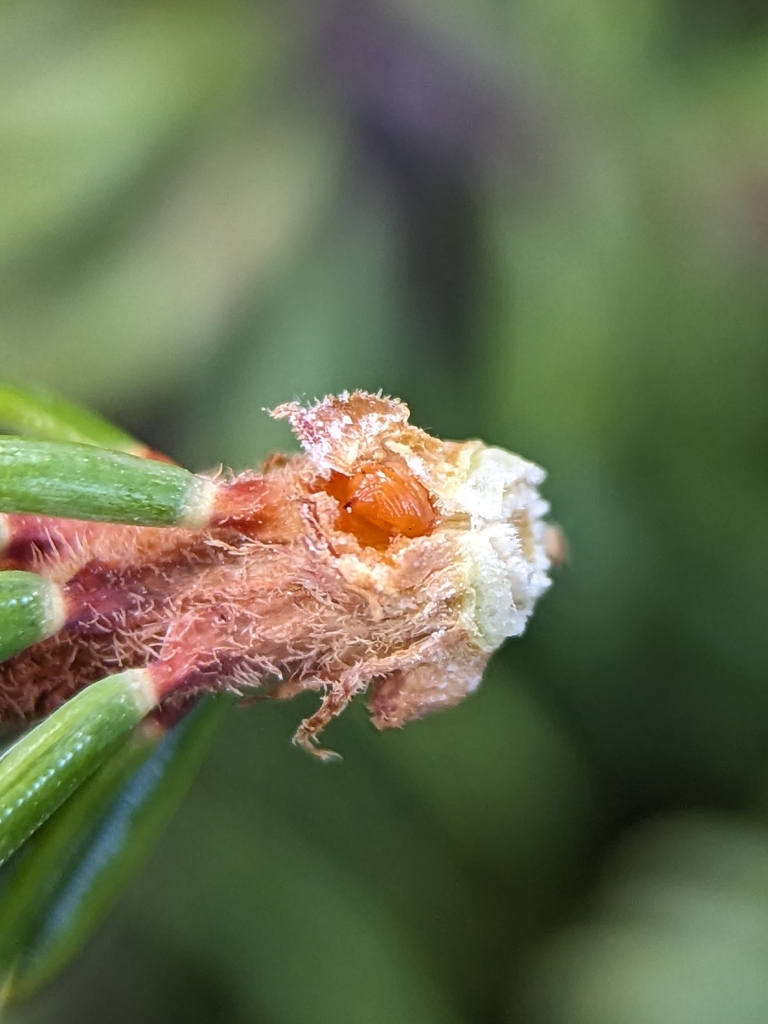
(544,223)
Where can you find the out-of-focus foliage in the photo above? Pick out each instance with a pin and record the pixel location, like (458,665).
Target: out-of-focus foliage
(679,932)
(543,222)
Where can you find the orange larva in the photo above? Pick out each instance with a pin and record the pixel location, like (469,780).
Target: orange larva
(381,502)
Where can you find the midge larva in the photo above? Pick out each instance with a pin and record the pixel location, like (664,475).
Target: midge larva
(380,560)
